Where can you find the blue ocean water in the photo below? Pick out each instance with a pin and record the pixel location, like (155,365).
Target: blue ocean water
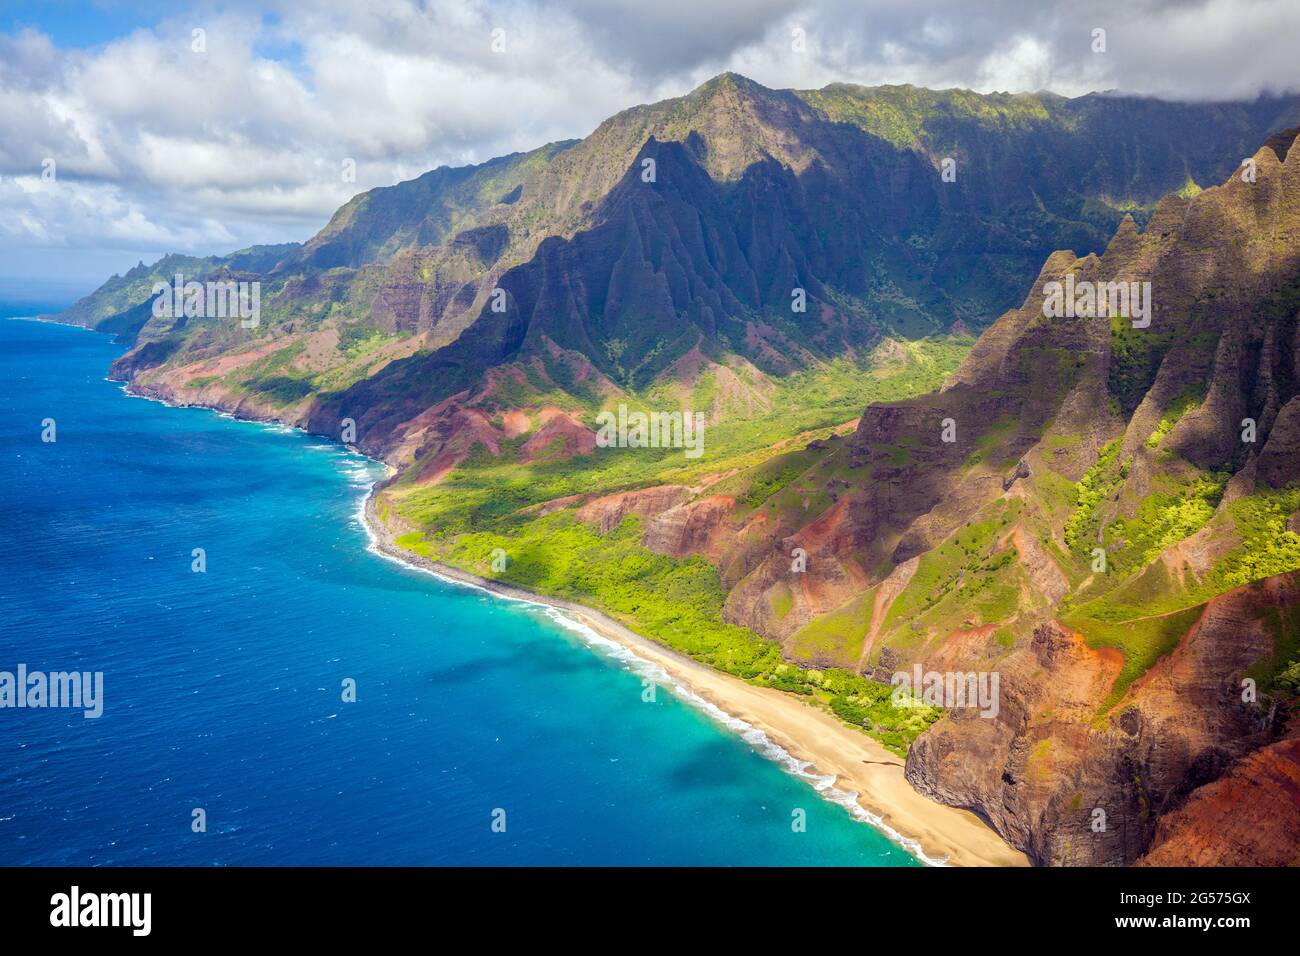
(222,690)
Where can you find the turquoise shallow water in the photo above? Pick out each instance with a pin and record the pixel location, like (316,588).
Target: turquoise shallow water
(222,690)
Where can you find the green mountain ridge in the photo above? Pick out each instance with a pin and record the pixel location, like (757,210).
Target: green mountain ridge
(836,189)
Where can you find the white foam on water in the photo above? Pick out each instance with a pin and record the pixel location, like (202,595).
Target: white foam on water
(358,473)
(824,784)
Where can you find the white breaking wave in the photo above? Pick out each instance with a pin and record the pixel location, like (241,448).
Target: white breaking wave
(357,468)
(824,784)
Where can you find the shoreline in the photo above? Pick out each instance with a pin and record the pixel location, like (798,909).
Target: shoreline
(844,765)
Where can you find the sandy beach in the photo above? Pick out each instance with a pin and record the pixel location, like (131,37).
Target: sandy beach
(859,764)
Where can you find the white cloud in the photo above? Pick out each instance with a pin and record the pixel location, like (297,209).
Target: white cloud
(61,214)
(1026,64)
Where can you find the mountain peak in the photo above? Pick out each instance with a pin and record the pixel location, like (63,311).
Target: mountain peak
(729,80)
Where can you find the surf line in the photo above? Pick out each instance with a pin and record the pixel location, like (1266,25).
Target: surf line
(823,784)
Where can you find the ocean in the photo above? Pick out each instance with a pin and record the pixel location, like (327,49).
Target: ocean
(483,731)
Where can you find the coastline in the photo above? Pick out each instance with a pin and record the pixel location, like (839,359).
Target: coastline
(844,765)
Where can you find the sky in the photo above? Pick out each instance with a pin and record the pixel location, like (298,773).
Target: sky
(130,130)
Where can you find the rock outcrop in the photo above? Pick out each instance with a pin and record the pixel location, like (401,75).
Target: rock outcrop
(1071,783)
(1248,817)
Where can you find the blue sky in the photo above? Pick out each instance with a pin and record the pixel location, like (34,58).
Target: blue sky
(122,137)
(78,24)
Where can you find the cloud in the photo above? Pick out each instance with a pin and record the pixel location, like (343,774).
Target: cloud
(163,147)
(59,214)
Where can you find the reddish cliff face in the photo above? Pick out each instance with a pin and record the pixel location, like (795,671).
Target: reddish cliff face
(439,439)
(606,513)
(560,435)
(1248,817)
(694,527)
(1073,782)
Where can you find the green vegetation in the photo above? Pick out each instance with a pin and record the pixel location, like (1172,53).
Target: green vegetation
(357,341)
(676,602)
(1143,641)
(989,439)
(839,634)
(1289,678)
(274,376)
(1179,407)
(867,704)
(673,325)
(773,475)
(967,578)
(1189,189)
(1059,447)
(1281,671)
(1162,519)
(906,115)
(1135,356)
(480,506)
(782,600)
(1101,480)
(1267,546)
(485,490)
(1146,614)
